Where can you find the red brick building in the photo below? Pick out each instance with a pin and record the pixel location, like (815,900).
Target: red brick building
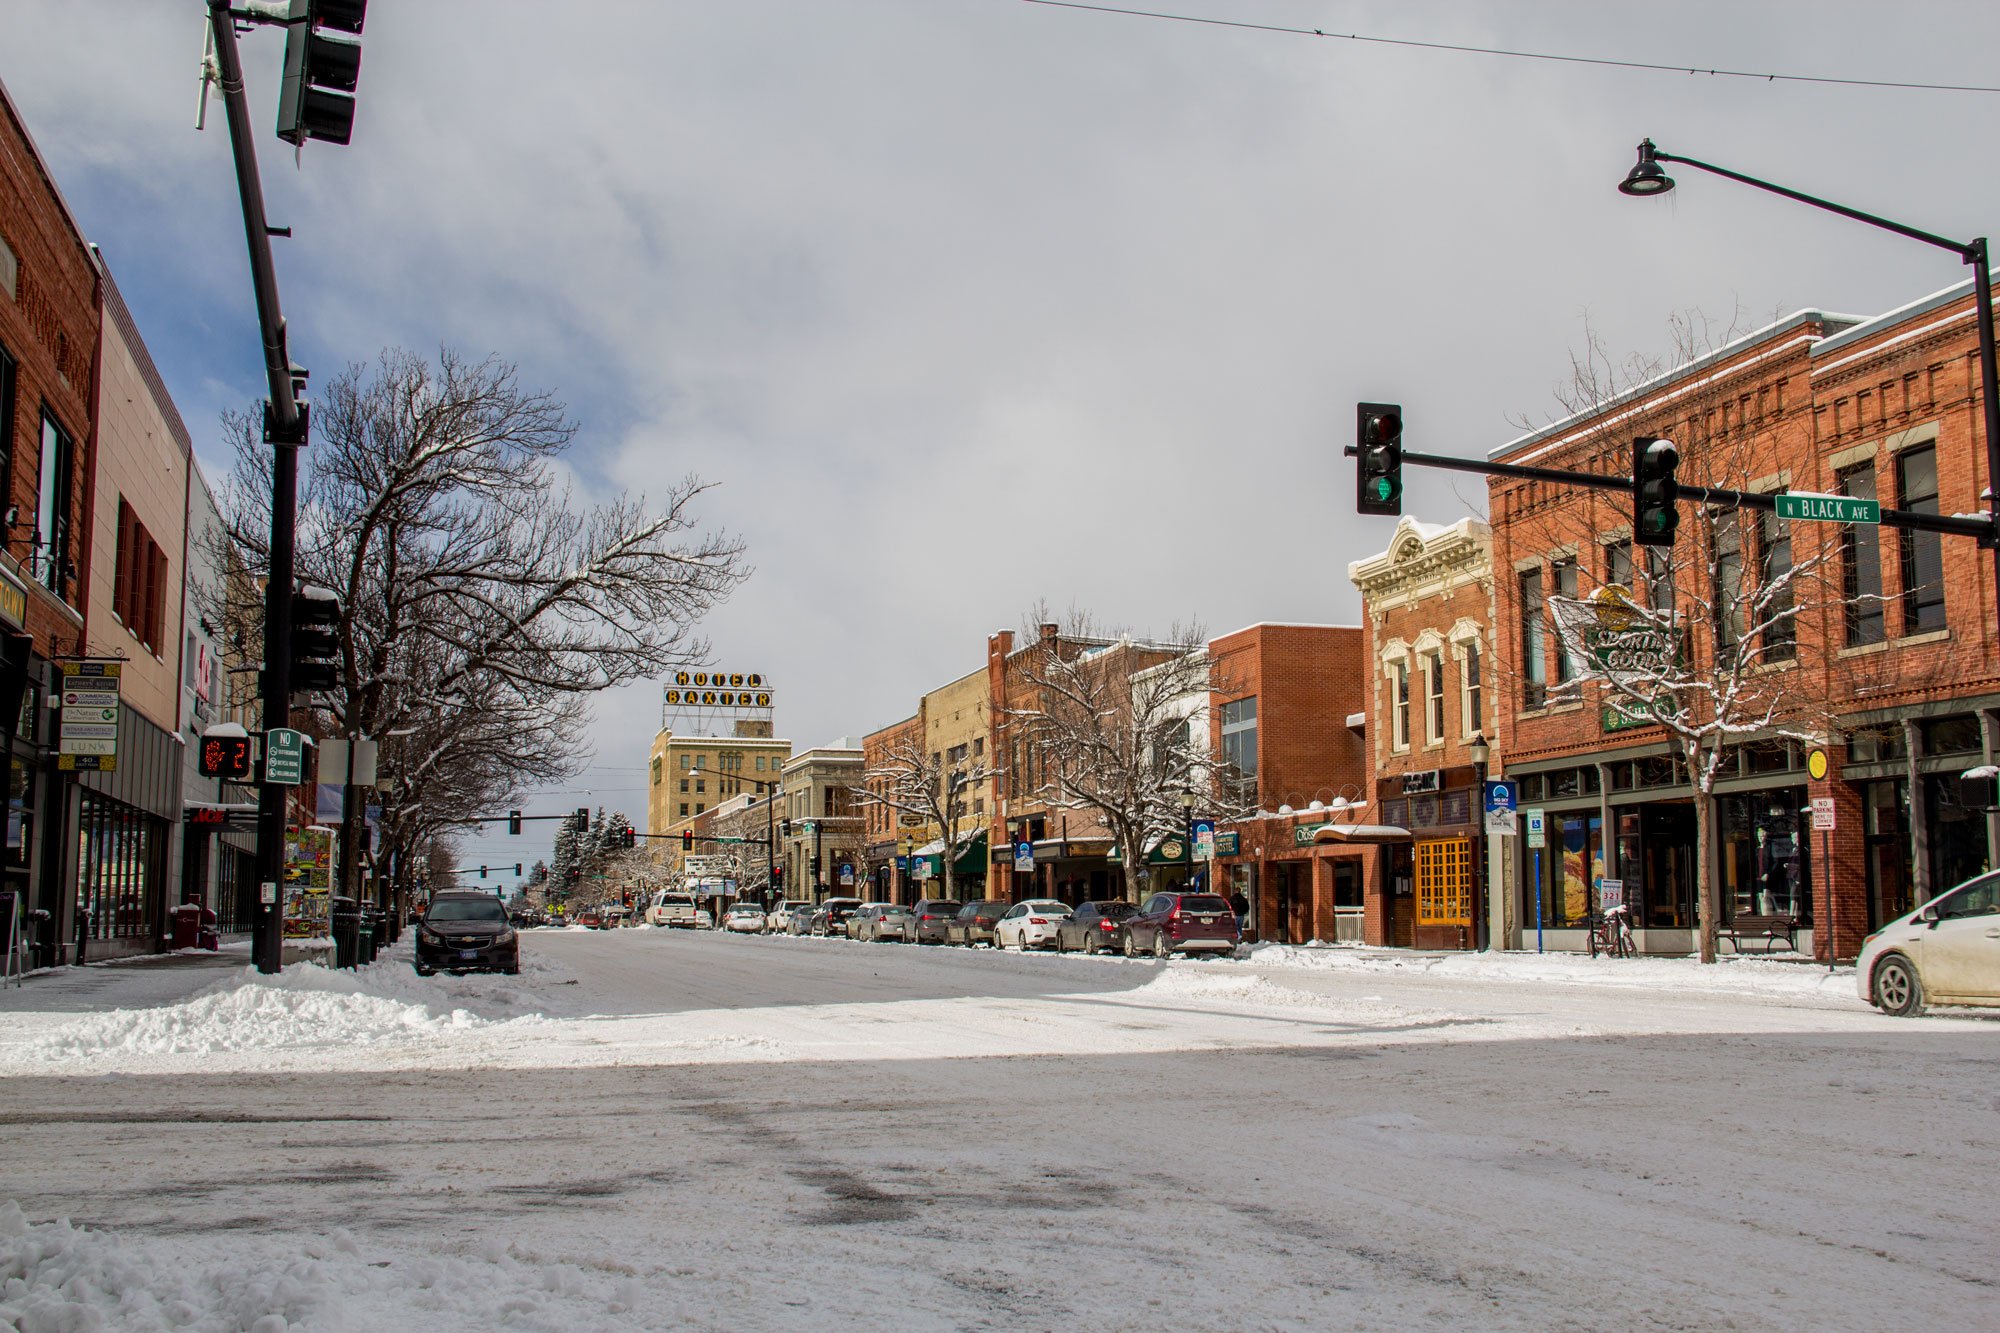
(51,317)
(1428,602)
(1285,712)
(1887,666)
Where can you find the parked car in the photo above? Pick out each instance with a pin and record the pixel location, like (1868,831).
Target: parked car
(779,919)
(1030,925)
(974,922)
(876,922)
(930,917)
(466,932)
(1093,927)
(1170,923)
(830,917)
(612,917)
(1945,952)
(744,918)
(675,909)
(589,918)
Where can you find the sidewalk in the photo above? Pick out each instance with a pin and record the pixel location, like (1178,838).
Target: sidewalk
(140,982)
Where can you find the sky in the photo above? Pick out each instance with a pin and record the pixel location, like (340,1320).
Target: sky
(967,305)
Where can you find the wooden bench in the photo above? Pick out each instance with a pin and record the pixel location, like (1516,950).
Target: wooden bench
(1770,929)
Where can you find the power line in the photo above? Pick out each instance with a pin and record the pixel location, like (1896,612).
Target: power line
(1521,55)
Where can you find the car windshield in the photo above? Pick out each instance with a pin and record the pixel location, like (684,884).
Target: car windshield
(1114,910)
(1204,902)
(986,911)
(1046,905)
(466,909)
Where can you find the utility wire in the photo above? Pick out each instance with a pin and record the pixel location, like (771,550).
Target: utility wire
(1521,55)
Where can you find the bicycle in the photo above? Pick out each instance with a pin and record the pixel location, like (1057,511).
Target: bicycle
(1611,933)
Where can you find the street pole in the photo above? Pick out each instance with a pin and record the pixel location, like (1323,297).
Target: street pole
(1646,179)
(285,429)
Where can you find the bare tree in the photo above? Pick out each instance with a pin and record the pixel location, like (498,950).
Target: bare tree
(1113,717)
(1700,638)
(910,780)
(480,599)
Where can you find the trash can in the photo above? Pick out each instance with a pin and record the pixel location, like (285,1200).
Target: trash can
(346,932)
(186,927)
(210,935)
(364,942)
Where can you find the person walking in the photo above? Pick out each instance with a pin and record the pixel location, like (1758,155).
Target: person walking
(1241,906)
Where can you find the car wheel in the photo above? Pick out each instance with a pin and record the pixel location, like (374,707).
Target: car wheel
(1899,992)
(1131,950)
(1090,943)
(1160,949)
(426,971)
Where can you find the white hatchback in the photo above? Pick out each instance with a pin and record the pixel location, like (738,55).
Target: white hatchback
(1945,952)
(1030,925)
(747,918)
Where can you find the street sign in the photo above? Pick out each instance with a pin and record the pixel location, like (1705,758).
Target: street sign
(1610,894)
(1827,508)
(1024,857)
(1822,812)
(1503,794)
(1537,831)
(1203,832)
(284,757)
(88,740)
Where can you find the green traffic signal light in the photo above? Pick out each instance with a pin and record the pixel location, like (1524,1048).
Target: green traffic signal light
(1378,458)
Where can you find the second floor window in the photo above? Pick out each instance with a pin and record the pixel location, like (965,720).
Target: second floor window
(1470,688)
(1728,611)
(1565,587)
(1400,728)
(1239,737)
(52,496)
(1861,564)
(1922,552)
(1774,567)
(1434,697)
(1618,565)
(1534,642)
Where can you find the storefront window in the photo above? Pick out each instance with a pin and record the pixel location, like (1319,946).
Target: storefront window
(1572,864)
(1886,822)
(1957,833)
(1766,870)
(20,814)
(1950,735)
(117,847)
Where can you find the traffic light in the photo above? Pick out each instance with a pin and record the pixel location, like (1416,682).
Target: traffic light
(1378,458)
(315,640)
(784,828)
(316,99)
(517,869)
(580,821)
(225,753)
(629,838)
(514,821)
(687,839)
(777,876)
(482,872)
(1656,491)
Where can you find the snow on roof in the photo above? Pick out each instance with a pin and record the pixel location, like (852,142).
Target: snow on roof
(1875,324)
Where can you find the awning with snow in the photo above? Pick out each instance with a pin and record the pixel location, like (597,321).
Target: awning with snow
(1360,833)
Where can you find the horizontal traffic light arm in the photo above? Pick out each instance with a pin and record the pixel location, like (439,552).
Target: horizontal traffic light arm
(1963,525)
(704,837)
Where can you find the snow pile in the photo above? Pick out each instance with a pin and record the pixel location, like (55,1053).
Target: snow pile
(1240,990)
(306,1007)
(1732,975)
(55,1276)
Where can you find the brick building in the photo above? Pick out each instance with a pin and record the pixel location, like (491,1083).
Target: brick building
(890,836)
(1885,661)
(1428,603)
(51,314)
(1285,712)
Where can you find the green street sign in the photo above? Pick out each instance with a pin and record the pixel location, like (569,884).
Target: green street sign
(1827,508)
(284,756)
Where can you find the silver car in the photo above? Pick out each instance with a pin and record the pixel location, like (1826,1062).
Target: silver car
(876,922)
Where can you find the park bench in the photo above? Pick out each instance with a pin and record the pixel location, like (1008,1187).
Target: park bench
(1770,929)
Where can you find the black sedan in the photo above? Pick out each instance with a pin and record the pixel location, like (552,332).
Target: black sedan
(1093,927)
(466,932)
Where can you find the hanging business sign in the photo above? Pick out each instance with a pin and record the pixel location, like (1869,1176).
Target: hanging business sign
(13,602)
(1024,857)
(88,738)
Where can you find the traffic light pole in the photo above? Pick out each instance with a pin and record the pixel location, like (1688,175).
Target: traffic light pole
(1956,524)
(285,431)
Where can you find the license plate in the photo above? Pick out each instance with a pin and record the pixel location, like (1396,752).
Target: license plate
(466,954)
(1206,920)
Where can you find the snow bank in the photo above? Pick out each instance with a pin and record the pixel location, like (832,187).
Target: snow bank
(55,1276)
(306,1007)
(1730,976)
(1245,990)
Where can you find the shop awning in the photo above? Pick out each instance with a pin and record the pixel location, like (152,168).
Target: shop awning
(1360,833)
(1062,849)
(971,856)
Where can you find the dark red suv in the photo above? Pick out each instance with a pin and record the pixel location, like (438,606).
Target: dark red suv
(1170,923)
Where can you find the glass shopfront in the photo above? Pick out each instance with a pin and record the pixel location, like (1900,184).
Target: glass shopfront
(1957,832)
(1766,867)
(118,869)
(1572,865)
(1885,810)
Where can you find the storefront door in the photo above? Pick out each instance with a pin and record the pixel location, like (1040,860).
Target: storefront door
(1887,842)
(1667,835)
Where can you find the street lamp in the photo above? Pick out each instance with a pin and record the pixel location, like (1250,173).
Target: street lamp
(1647,178)
(1187,828)
(1480,751)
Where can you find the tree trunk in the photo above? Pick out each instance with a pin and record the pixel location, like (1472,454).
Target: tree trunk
(1704,874)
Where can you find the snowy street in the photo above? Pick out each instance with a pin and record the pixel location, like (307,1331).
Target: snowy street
(664,1129)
